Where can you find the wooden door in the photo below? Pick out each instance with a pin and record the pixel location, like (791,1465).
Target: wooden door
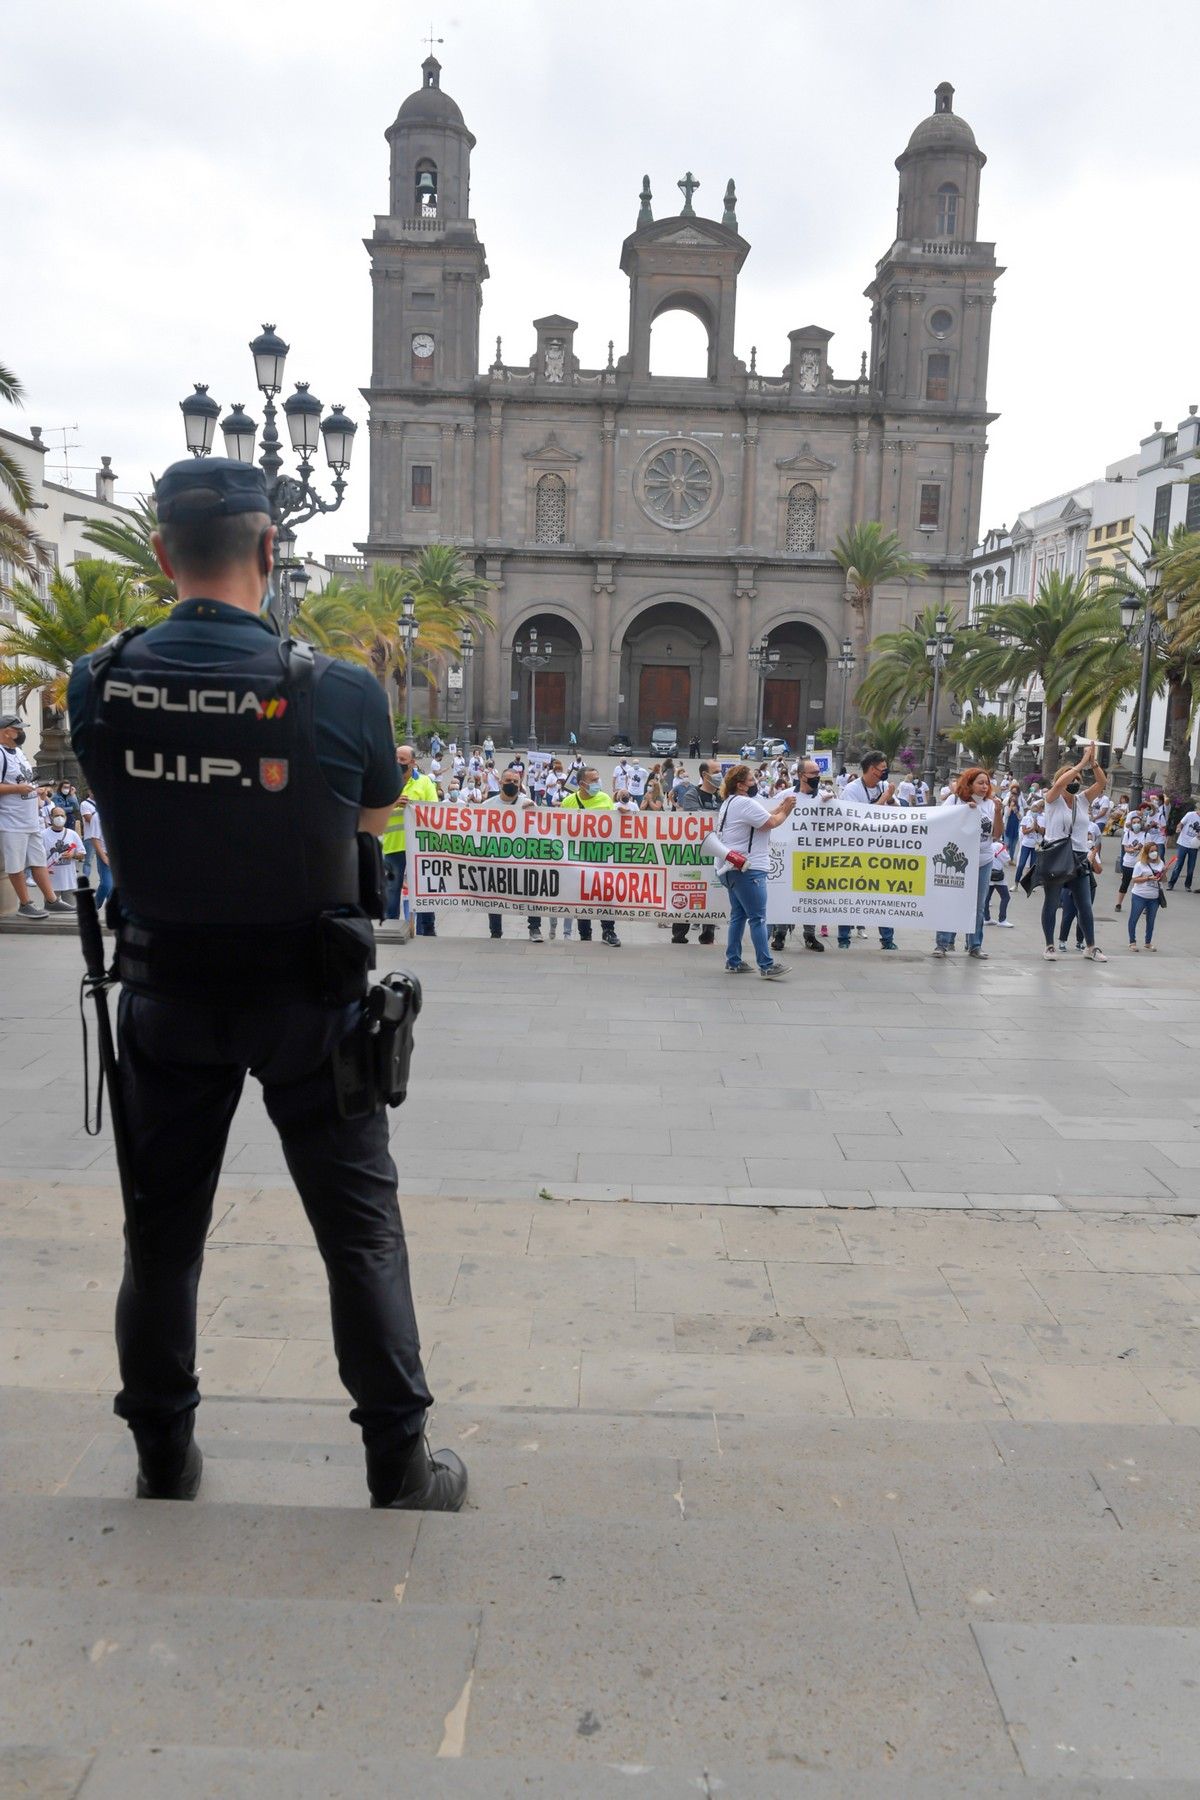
(552,706)
(781,711)
(664,698)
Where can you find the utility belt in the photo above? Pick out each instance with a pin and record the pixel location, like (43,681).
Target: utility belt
(370,1065)
(327,960)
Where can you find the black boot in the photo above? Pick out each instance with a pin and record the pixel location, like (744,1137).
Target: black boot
(708,934)
(169,1468)
(778,939)
(608,935)
(679,934)
(426,1482)
(811,940)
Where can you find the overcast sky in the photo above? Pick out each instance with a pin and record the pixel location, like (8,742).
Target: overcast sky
(172,175)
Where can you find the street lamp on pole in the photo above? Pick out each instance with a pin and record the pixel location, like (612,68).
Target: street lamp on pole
(762,659)
(466,650)
(293,498)
(845,667)
(409,631)
(1149,633)
(938,648)
(533,655)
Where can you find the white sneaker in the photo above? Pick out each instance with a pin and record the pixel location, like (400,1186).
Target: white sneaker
(1095,956)
(1004,924)
(1049,954)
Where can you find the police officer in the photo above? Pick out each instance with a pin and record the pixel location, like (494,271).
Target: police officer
(253,958)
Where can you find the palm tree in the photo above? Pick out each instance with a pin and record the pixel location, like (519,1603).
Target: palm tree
(79,612)
(449,598)
(869,555)
(986,737)
(887,735)
(901,674)
(1068,636)
(19,542)
(128,541)
(1174,657)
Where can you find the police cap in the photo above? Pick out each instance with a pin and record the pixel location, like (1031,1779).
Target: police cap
(212,487)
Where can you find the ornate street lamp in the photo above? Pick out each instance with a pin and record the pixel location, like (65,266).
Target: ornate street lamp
(938,648)
(1143,629)
(293,498)
(845,667)
(466,651)
(762,659)
(409,631)
(533,656)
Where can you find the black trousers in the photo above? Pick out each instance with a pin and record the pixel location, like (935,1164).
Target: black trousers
(182,1070)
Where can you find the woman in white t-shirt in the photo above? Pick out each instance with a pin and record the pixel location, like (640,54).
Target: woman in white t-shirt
(973,789)
(744,825)
(1187,843)
(1148,873)
(1133,836)
(1068,816)
(1032,831)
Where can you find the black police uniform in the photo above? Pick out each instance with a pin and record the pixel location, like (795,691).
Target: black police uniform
(230,768)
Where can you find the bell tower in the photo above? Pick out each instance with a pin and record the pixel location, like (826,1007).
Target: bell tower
(932,293)
(427,273)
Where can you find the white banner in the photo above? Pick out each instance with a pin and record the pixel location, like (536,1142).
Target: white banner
(875,865)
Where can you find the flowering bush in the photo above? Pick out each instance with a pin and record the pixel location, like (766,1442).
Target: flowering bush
(909,757)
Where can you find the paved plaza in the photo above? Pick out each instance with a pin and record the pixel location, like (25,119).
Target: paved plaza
(826,1355)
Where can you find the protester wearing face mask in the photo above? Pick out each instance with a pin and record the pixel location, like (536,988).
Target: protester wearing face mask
(702,795)
(1068,816)
(807,786)
(22,845)
(64,854)
(745,825)
(872,788)
(513,793)
(417,787)
(973,788)
(1147,900)
(1133,836)
(588,797)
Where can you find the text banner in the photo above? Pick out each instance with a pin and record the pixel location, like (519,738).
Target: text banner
(619,865)
(875,865)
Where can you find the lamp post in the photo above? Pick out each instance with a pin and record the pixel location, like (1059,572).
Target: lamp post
(761,659)
(1149,633)
(533,655)
(938,647)
(845,667)
(466,650)
(293,498)
(409,631)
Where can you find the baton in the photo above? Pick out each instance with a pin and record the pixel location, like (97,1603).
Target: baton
(96,984)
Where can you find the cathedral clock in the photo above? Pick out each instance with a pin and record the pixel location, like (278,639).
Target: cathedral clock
(422,356)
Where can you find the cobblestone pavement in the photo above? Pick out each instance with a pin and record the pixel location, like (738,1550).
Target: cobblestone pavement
(827,1357)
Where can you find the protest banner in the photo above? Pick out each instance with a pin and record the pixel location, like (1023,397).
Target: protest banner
(835,863)
(581,860)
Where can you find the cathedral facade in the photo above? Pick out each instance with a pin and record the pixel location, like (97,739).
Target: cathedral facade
(658,530)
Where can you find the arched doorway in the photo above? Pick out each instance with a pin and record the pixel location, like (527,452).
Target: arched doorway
(670,665)
(555,709)
(793,692)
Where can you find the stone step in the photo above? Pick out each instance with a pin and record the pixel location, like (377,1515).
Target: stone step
(196,1772)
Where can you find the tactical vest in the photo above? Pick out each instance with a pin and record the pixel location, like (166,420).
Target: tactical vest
(218,818)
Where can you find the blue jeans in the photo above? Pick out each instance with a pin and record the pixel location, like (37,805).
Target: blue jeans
(1080,889)
(747,906)
(1138,906)
(1012,830)
(1028,854)
(395,864)
(1183,857)
(974,939)
(104,881)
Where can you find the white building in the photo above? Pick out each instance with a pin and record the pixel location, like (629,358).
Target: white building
(1167,495)
(60,516)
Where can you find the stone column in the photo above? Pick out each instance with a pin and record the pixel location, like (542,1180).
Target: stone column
(749,479)
(495,469)
(859,447)
(608,442)
(741,675)
(448,496)
(466,504)
(496,708)
(597,704)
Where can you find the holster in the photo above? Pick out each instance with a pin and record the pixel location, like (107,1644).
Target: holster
(371,1064)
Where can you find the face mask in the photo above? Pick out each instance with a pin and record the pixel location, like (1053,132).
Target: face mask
(881,777)
(1073,787)
(811,783)
(588,787)
(752,789)
(58,822)
(19,739)
(509,787)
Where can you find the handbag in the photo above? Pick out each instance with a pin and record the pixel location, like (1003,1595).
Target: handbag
(1056,862)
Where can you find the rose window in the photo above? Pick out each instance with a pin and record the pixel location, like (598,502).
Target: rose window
(678,486)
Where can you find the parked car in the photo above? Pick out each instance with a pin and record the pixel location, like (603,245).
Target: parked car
(664,740)
(620,745)
(774,746)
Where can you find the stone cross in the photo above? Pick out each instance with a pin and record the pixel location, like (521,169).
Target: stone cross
(687,187)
